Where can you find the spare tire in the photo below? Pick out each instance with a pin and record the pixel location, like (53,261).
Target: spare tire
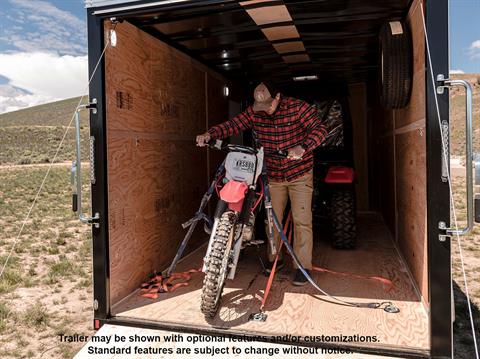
(396,64)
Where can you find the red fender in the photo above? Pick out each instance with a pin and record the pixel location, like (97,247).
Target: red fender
(340,174)
(233,192)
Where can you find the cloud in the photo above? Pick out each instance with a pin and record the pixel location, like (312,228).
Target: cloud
(12,98)
(39,7)
(475,45)
(41,26)
(456,72)
(37,77)
(474,50)
(47,54)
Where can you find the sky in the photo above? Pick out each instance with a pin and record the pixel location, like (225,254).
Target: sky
(43,48)
(43,52)
(464,33)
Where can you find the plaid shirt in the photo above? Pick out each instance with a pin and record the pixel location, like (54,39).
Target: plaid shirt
(294,123)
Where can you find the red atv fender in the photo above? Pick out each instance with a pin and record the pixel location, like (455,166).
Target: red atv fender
(340,174)
(233,192)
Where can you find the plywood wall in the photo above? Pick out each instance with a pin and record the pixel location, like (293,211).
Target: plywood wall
(410,164)
(400,149)
(156,104)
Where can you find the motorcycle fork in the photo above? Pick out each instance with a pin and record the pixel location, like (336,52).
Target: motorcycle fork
(221,207)
(237,247)
(243,221)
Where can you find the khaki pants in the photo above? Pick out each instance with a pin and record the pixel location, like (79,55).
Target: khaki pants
(300,191)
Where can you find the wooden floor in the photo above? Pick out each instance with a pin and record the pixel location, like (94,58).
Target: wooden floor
(301,311)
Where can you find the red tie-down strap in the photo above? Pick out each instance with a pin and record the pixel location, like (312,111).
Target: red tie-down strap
(382,280)
(159,284)
(288,230)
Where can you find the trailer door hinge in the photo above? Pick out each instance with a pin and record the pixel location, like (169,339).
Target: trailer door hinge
(92,106)
(442,226)
(441,79)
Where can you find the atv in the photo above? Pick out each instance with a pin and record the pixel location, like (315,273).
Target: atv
(334,178)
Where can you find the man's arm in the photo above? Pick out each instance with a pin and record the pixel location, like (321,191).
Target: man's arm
(316,130)
(231,127)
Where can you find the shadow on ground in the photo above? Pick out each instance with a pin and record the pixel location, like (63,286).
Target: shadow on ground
(462,330)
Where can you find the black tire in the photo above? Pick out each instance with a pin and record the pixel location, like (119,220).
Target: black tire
(217,266)
(396,64)
(343,219)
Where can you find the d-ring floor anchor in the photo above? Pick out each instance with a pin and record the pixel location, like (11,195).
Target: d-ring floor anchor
(390,308)
(257,317)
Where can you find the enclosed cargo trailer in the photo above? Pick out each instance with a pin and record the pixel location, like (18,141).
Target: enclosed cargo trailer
(174,68)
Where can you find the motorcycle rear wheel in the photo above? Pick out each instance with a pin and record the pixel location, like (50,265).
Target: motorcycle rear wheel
(217,265)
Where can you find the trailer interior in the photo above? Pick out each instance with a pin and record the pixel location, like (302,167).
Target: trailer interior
(173,74)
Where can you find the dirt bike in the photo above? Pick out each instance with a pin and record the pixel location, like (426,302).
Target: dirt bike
(240,190)
(241,184)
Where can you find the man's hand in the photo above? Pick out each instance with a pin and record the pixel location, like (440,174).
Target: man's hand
(296,153)
(203,139)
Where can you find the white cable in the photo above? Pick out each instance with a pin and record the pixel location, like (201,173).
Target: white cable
(445,151)
(54,158)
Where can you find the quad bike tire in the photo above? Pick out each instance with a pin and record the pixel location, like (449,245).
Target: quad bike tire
(343,219)
(396,65)
(217,266)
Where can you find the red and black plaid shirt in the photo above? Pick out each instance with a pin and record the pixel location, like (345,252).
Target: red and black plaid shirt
(294,123)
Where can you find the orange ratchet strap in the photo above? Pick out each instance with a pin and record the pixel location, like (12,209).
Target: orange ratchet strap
(159,284)
(274,267)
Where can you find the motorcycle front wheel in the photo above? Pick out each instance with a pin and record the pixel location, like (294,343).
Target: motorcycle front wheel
(217,265)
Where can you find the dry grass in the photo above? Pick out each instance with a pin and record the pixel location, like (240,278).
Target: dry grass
(46,288)
(32,135)
(463,340)
(51,114)
(42,142)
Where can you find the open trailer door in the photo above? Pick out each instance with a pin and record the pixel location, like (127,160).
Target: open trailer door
(438,196)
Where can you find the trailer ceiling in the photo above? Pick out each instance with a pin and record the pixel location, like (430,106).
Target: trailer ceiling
(333,39)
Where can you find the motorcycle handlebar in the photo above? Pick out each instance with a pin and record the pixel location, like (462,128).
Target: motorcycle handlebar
(222,146)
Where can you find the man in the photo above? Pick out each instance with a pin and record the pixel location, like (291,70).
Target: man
(294,126)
